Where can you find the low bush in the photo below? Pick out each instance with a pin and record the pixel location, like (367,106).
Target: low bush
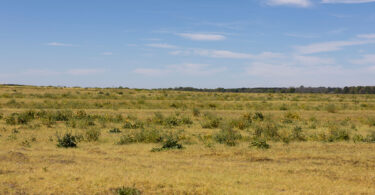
(227,136)
(115,130)
(267,130)
(171,142)
(67,141)
(259,143)
(141,135)
(127,191)
(210,121)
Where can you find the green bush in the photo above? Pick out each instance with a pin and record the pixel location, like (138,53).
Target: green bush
(115,130)
(127,191)
(67,141)
(259,143)
(171,142)
(267,130)
(227,136)
(258,116)
(141,135)
(210,121)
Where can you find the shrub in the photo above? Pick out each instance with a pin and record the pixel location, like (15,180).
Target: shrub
(358,138)
(127,191)
(258,116)
(67,141)
(336,134)
(268,130)
(297,134)
(289,117)
(210,121)
(186,120)
(115,130)
(141,135)
(133,124)
(259,143)
(11,120)
(92,135)
(170,143)
(227,136)
(371,137)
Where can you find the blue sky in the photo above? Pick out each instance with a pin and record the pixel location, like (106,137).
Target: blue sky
(199,43)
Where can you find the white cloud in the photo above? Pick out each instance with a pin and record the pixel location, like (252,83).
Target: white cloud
(347,1)
(107,53)
(366,36)
(235,55)
(162,45)
(329,46)
(298,3)
(84,71)
(184,69)
(312,60)
(202,37)
(57,44)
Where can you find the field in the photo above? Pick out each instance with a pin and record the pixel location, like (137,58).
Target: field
(127,141)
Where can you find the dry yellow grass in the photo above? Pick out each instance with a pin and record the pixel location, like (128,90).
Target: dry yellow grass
(312,167)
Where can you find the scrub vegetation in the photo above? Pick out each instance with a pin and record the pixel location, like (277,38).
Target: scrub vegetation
(57,140)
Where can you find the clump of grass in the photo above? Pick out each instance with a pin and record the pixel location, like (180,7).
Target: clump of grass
(244,122)
(289,117)
(227,136)
(67,141)
(297,134)
(258,116)
(137,124)
(127,191)
(92,135)
(267,130)
(114,130)
(196,112)
(210,121)
(141,135)
(259,143)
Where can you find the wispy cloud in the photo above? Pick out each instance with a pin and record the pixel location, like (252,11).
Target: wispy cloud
(107,53)
(297,3)
(183,69)
(367,36)
(162,45)
(85,71)
(300,35)
(236,55)
(348,1)
(202,37)
(57,44)
(329,46)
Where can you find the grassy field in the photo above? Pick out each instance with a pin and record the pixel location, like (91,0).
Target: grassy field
(126,141)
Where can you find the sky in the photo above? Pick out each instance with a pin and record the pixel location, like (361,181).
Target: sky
(189,43)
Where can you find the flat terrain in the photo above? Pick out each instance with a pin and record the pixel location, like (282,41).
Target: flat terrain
(170,142)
